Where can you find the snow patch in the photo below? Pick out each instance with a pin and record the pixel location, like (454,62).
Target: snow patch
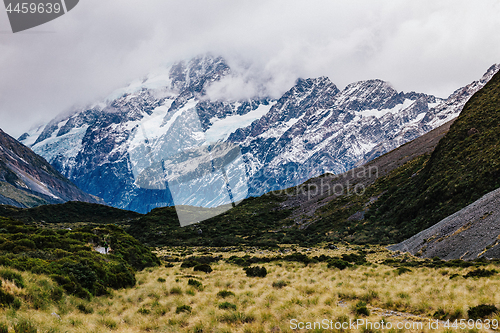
(222,128)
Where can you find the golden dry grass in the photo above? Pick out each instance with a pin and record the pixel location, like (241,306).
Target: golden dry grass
(308,293)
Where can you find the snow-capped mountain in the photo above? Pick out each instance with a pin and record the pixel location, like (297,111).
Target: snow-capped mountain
(163,141)
(27,180)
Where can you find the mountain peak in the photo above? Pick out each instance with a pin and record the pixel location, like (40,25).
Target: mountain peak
(368,95)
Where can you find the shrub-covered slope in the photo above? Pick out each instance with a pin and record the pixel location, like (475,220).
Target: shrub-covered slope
(69,212)
(69,258)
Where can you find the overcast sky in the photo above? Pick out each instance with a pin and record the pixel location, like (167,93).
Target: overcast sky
(427,46)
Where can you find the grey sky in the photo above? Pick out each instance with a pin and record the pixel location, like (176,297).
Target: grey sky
(427,46)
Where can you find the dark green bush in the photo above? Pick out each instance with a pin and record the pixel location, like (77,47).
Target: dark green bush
(57,293)
(402,270)
(189,263)
(225,293)
(255,271)
(338,263)
(85,309)
(66,257)
(183,308)
(481,311)
(161,280)
(10,275)
(176,291)
(203,268)
(480,272)
(6,299)
(195,283)
(227,306)
(4,328)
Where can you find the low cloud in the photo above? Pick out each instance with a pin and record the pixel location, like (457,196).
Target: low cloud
(428,46)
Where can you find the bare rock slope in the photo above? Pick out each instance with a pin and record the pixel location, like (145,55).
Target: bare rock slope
(470,233)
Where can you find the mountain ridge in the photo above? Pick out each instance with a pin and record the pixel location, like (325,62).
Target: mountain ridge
(312,129)
(27,180)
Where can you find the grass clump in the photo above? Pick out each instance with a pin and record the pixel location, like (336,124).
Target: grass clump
(227,306)
(25,326)
(234,317)
(402,270)
(161,280)
(4,328)
(280,284)
(144,311)
(360,309)
(176,291)
(225,293)
(85,309)
(183,308)
(195,283)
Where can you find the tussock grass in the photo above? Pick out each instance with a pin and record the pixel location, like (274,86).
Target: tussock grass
(226,300)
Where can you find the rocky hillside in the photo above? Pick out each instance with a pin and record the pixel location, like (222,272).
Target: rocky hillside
(27,180)
(470,233)
(151,144)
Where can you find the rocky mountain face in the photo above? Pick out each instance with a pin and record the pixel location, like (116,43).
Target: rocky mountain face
(27,180)
(163,141)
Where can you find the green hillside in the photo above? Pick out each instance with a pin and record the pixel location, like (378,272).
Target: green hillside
(69,212)
(69,258)
(464,166)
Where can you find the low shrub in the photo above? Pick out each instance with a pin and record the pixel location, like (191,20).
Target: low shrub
(6,299)
(255,271)
(143,310)
(4,328)
(183,308)
(161,280)
(480,272)
(225,293)
(227,306)
(85,309)
(338,263)
(481,311)
(189,263)
(360,309)
(195,283)
(12,276)
(176,291)
(203,268)
(402,270)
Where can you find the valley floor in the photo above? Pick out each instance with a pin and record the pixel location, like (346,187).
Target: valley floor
(175,299)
